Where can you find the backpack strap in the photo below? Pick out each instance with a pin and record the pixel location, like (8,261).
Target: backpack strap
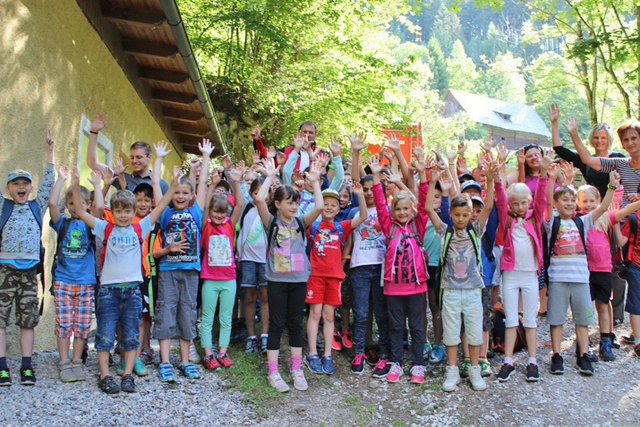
(580,225)
(7,208)
(476,246)
(273,225)
(35,209)
(245,211)
(107,232)
(555,228)
(633,230)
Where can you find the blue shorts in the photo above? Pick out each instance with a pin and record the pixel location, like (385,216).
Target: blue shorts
(252,274)
(633,290)
(123,305)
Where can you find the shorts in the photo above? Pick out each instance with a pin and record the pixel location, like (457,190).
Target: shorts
(74,306)
(21,286)
(176,312)
(122,306)
(455,303)
(600,286)
(518,285)
(323,290)
(632,305)
(487,324)
(252,274)
(346,290)
(564,294)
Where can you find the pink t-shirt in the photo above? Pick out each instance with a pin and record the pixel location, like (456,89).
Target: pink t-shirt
(218,262)
(598,249)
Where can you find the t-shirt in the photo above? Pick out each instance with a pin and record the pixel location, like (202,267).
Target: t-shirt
(287,259)
(431,241)
(218,262)
(123,255)
(252,240)
(599,247)
(76,253)
(524,256)
(634,256)
(133,180)
(629,177)
(177,226)
(368,240)
(461,269)
(568,261)
(326,250)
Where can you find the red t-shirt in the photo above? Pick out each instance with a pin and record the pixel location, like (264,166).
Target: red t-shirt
(218,262)
(326,249)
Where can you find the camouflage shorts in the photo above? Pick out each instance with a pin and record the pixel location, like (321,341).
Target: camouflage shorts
(20,286)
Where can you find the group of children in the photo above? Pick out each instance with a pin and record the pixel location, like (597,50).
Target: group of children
(392,239)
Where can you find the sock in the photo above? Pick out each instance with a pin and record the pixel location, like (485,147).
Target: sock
(508,360)
(264,336)
(482,358)
(222,354)
(253,337)
(26,362)
(273,366)
(295,363)
(467,359)
(3,363)
(532,361)
(603,336)
(636,340)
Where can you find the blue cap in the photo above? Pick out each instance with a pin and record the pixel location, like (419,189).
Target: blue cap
(468,184)
(18,173)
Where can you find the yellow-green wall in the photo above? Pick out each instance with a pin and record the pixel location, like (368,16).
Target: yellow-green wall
(54,68)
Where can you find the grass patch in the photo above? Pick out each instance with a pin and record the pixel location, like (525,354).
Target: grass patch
(351,399)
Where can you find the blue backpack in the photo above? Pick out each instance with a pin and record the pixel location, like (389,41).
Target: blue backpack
(315,227)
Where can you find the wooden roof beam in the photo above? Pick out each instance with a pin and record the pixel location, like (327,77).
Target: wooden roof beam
(148,48)
(184,115)
(155,74)
(184,129)
(173,97)
(129,15)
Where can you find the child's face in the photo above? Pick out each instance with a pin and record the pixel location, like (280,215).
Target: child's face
(217,216)
(287,208)
(348,180)
(123,216)
(345,198)
(144,204)
(403,210)
(248,178)
(331,208)
(437,199)
(367,188)
(587,201)
(475,212)
(275,184)
(19,190)
(182,196)
(566,205)
(472,191)
(460,216)
(519,204)
(72,209)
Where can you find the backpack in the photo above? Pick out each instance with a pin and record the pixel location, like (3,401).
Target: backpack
(315,227)
(498,331)
(58,257)
(414,233)
(623,257)
(151,261)
(273,226)
(107,232)
(555,229)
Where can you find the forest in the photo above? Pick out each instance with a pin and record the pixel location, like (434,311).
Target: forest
(352,66)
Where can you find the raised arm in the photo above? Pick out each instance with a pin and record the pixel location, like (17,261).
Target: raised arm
(362,206)
(314,174)
(552,172)
(583,152)
(614,182)
(97,209)
(54,198)
(236,177)
(299,142)
(433,215)
(92,150)
(260,200)
(162,150)
(357,144)
(626,211)
(85,216)
(155,214)
(206,148)
(336,162)
(492,171)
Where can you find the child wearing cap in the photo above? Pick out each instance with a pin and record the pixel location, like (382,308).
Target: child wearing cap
(20,255)
(326,239)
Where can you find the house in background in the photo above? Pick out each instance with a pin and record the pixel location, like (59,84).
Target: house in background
(64,62)
(518,124)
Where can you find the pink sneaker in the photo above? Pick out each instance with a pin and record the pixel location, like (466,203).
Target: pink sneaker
(395,372)
(417,374)
(224,360)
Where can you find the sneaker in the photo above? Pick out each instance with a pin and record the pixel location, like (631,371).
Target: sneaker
(452,378)
(109,385)
(128,384)
(557,364)
(357,364)
(85,353)
(224,360)
(139,369)
(66,371)
(327,365)
(211,363)
(464,368)
(381,369)
(314,364)
(417,374)
(614,341)
(347,339)
(485,368)
(395,372)
(190,370)
(5,378)
(505,372)
(252,345)
(120,367)
(426,351)
(533,376)
(78,370)
(276,381)
(477,382)
(336,342)
(584,365)
(27,376)
(299,381)
(590,354)
(166,373)
(437,353)
(194,356)
(636,350)
(628,339)
(146,357)
(263,344)
(606,351)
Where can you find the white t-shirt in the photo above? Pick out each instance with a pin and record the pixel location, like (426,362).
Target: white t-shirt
(568,261)
(368,240)
(525,258)
(252,239)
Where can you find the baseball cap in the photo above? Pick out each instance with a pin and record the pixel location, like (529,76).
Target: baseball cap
(466,176)
(331,193)
(470,184)
(477,199)
(18,173)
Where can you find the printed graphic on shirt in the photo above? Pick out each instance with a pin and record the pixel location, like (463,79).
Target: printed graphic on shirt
(182,226)
(568,243)
(219,251)
(324,240)
(370,232)
(74,245)
(21,233)
(256,233)
(284,261)
(461,263)
(403,263)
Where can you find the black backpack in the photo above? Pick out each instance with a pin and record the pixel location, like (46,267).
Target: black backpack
(623,257)
(498,332)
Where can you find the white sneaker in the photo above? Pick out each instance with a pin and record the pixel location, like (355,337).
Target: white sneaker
(475,376)
(452,378)
(276,381)
(193,354)
(299,381)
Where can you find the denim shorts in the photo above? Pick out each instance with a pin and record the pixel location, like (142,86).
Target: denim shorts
(118,304)
(633,290)
(252,274)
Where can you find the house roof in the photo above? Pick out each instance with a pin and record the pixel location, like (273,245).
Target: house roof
(501,114)
(149,39)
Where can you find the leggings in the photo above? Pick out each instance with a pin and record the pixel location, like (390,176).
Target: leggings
(286,307)
(212,291)
(397,306)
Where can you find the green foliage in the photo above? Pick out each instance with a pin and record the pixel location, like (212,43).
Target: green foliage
(502,79)
(438,66)
(462,70)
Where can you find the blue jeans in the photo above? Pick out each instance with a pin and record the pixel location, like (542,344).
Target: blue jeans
(366,282)
(116,304)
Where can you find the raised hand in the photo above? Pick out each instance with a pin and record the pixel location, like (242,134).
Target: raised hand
(205,147)
(374,165)
(299,141)
(393,175)
(63,173)
(502,152)
(49,143)
(108,176)
(99,122)
(177,174)
(95,178)
(297,175)
(546,160)
(315,170)
(357,189)
(572,124)
(521,156)
(162,149)
(554,113)
(418,152)
(255,133)
(118,167)
(225,161)
(552,171)
(488,144)
(255,158)
(461,163)
(418,165)
(614,179)
(445,183)
(269,168)
(238,171)
(429,162)
(358,141)
(394,141)
(492,169)
(336,146)
(451,156)
(216,177)
(461,148)
(436,173)
(323,159)
(568,171)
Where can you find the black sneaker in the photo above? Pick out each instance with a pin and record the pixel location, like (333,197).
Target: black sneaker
(27,376)
(557,364)
(109,385)
(590,354)
(505,372)
(628,339)
(357,364)
(127,384)
(85,353)
(614,341)
(5,378)
(584,365)
(533,376)
(381,369)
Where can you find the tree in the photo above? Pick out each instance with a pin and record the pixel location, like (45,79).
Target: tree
(461,68)
(438,66)
(446,28)
(502,79)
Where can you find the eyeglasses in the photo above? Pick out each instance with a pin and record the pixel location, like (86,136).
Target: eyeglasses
(220,191)
(599,126)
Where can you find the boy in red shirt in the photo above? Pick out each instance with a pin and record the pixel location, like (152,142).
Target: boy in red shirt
(326,239)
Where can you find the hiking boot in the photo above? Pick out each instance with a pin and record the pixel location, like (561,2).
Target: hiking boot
(224,360)
(109,385)
(381,369)
(533,376)
(128,384)
(120,367)
(165,370)
(314,364)
(477,382)
(253,346)
(452,378)
(194,356)
(211,363)
(606,350)
(505,372)
(139,368)
(327,365)
(395,372)
(263,344)
(347,339)
(557,364)
(336,342)
(78,370)
(190,370)
(357,364)
(426,351)
(464,368)
(5,378)
(146,357)
(437,353)
(417,374)
(636,350)
(299,381)
(584,365)
(27,376)
(276,381)
(485,368)
(66,371)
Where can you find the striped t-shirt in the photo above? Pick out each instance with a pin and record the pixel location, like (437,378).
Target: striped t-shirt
(629,177)
(568,255)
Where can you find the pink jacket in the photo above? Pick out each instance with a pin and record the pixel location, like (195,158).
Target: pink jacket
(414,258)
(533,225)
